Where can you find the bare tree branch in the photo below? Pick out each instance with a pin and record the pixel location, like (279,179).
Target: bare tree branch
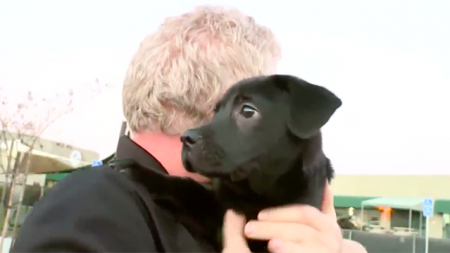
(25,117)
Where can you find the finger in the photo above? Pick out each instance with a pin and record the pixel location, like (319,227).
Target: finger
(280,246)
(306,215)
(328,203)
(233,233)
(261,230)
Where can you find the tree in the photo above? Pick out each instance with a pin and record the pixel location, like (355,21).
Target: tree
(24,117)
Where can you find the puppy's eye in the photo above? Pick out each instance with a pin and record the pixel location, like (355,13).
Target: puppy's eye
(248,111)
(216,108)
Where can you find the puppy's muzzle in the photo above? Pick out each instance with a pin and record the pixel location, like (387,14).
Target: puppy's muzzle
(202,155)
(190,138)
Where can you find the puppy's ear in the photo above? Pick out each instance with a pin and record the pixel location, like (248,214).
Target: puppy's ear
(311,106)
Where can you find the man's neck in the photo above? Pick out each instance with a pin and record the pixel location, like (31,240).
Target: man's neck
(167,150)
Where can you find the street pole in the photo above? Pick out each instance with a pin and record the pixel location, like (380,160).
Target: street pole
(427,211)
(427,223)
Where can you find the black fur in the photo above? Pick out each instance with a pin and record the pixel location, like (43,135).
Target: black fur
(262,149)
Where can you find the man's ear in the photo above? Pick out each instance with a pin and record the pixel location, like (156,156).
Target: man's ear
(311,106)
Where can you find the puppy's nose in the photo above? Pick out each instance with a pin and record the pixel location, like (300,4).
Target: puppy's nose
(190,137)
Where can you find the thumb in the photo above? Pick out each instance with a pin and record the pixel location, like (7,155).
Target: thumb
(233,233)
(328,202)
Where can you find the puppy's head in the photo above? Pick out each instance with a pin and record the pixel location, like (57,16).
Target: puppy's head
(258,128)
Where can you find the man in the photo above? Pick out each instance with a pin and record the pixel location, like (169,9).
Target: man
(172,84)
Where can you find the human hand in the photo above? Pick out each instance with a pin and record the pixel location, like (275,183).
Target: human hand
(296,228)
(301,228)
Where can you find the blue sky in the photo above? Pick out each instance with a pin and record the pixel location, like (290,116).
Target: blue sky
(389,61)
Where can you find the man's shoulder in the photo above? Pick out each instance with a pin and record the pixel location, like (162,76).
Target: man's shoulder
(95,177)
(92,181)
(92,184)
(94,208)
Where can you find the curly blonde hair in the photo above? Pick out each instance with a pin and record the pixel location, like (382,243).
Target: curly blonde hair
(180,71)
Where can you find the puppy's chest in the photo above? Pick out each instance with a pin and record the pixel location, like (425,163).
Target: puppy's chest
(247,202)
(207,210)
(248,205)
(244,201)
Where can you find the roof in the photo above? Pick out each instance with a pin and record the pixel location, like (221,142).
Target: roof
(397,203)
(45,156)
(340,201)
(59,175)
(347,201)
(50,147)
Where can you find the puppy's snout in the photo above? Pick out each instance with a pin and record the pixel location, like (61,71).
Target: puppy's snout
(190,137)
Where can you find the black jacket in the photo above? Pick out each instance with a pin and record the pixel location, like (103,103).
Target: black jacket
(102,210)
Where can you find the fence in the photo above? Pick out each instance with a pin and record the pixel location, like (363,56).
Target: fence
(386,243)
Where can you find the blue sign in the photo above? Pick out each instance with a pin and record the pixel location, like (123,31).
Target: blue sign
(96,163)
(428,207)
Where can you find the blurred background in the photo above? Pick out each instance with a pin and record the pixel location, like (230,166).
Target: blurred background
(62,64)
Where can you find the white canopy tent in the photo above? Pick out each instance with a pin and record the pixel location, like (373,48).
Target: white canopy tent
(411,204)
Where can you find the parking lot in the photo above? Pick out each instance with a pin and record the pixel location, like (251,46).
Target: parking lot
(385,243)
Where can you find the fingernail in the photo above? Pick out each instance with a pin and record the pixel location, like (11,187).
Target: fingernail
(230,212)
(263,215)
(276,245)
(250,227)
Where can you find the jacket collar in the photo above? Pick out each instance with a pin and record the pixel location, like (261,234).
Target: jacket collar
(128,149)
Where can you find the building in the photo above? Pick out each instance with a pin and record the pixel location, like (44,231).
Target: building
(46,156)
(394,202)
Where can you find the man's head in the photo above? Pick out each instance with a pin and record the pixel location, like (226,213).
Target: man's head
(262,126)
(180,71)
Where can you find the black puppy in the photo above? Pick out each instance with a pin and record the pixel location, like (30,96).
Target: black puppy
(263,147)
